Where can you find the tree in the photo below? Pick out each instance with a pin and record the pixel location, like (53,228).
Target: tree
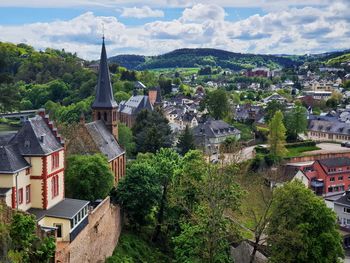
(217,103)
(271,108)
(121,95)
(140,181)
(19,242)
(166,162)
(126,138)
(9,97)
(151,132)
(186,141)
(296,122)
(277,136)
(302,228)
(165,85)
(88,177)
(205,237)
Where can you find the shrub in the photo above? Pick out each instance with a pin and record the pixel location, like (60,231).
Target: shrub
(301,144)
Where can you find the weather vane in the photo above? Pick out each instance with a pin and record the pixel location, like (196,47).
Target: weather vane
(103,31)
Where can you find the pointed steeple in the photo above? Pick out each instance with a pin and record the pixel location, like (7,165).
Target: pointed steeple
(104,94)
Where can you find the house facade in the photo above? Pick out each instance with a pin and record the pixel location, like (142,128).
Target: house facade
(129,109)
(212,133)
(32,177)
(325,176)
(328,129)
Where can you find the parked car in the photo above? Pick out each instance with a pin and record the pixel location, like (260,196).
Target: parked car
(345,144)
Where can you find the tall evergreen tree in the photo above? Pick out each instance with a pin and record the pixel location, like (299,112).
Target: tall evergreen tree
(186,141)
(296,122)
(277,136)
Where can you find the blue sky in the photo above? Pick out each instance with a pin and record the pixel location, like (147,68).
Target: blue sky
(158,26)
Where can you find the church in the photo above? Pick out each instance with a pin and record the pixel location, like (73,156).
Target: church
(101,135)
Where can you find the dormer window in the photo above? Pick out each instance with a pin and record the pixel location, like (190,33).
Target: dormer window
(26,144)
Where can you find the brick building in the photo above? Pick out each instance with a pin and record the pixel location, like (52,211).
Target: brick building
(326,176)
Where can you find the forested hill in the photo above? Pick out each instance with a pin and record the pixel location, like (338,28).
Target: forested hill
(202,57)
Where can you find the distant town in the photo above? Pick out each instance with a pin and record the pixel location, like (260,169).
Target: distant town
(238,160)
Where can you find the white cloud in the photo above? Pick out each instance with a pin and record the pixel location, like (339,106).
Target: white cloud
(291,30)
(142,12)
(203,12)
(275,4)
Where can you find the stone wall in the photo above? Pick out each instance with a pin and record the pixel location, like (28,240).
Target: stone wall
(97,240)
(307,158)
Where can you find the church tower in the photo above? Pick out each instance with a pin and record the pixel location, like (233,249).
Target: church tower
(105,107)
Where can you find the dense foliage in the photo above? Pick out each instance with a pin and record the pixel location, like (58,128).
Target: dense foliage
(277,136)
(19,242)
(88,177)
(186,201)
(202,57)
(302,228)
(151,131)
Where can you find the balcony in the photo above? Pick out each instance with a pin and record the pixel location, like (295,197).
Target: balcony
(317,183)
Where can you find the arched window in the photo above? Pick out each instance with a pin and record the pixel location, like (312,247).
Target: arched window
(105,116)
(99,115)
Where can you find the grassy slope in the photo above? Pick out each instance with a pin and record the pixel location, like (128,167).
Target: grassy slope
(134,249)
(298,151)
(338,60)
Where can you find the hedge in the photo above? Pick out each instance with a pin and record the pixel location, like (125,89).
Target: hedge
(301,144)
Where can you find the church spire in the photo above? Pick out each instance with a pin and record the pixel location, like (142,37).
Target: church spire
(104,94)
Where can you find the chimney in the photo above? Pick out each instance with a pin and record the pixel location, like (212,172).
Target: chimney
(41,112)
(82,118)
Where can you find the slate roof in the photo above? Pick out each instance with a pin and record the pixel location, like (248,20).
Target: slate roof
(4,191)
(135,104)
(215,128)
(35,138)
(11,161)
(67,209)
(343,200)
(329,125)
(104,94)
(104,140)
(335,162)
(139,85)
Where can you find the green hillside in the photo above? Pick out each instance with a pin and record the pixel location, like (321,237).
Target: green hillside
(189,58)
(338,60)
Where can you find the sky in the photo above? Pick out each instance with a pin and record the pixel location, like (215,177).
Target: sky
(152,27)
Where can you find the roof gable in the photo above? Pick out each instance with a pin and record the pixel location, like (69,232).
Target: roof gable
(104,140)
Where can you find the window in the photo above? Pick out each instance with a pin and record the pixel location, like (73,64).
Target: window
(340,178)
(347,210)
(28,194)
(27,171)
(330,189)
(348,221)
(99,115)
(59,230)
(20,196)
(332,179)
(341,188)
(105,116)
(55,160)
(55,186)
(114,115)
